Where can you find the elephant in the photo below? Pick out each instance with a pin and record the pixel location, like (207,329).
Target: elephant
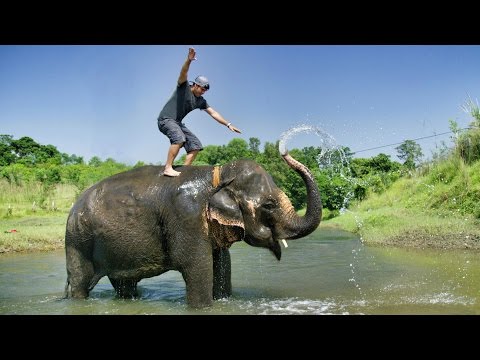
(139,224)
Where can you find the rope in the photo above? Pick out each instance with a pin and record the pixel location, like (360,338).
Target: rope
(420,138)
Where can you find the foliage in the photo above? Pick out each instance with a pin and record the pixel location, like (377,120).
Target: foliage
(410,152)
(374,175)
(468,146)
(340,178)
(24,162)
(254,145)
(467,143)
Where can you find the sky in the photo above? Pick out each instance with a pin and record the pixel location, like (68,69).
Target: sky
(104,100)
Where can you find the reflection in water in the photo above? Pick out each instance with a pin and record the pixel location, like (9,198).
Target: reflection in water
(328,272)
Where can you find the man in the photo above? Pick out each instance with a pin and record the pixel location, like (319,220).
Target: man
(184,99)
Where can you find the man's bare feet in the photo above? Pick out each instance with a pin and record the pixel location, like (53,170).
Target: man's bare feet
(171,172)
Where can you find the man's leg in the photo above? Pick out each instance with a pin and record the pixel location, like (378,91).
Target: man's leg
(192,145)
(173,131)
(190,157)
(172,154)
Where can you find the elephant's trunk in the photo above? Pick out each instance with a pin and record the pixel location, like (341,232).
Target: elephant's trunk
(297,226)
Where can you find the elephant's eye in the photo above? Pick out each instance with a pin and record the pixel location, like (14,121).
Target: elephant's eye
(269,205)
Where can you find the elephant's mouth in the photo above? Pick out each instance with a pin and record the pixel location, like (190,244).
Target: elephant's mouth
(275,248)
(266,242)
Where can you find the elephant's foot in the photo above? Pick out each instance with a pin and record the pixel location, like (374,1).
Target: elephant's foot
(77,293)
(75,290)
(79,296)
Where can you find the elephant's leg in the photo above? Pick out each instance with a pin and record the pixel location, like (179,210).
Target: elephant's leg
(125,288)
(222,274)
(199,283)
(80,272)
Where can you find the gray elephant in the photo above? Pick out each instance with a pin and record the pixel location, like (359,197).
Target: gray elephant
(140,224)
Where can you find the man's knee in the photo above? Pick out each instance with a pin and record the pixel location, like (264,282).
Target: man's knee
(178,144)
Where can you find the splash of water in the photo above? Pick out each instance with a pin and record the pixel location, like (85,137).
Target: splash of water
(331,155)
(334,161)
(326,139)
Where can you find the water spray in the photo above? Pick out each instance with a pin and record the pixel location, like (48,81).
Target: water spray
(327,140)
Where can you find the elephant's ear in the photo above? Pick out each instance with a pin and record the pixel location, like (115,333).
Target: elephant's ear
(225,218)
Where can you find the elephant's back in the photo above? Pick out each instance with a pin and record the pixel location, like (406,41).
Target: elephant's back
(112,196)
(152,175)
(128,204)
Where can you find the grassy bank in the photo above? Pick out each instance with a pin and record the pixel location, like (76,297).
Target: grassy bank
(38,232)
(403,216)
(32,219)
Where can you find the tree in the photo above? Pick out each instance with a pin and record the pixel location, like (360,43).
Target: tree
(6,139)
(382,163)
(48,154)
(360,167)
(95,161)
(71,159)
(26,150)
(274,164)
(310,156)
(254,145)
(237,148)
(410,152)
(210,155)
(7,156)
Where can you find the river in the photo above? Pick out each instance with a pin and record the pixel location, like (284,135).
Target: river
(327,272)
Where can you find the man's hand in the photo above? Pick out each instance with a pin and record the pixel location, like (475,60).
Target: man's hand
(233,128)
(191,54)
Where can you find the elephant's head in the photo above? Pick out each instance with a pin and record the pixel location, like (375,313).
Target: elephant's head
(249,206)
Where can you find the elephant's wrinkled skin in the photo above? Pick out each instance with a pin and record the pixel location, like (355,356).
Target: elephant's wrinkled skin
(140,224)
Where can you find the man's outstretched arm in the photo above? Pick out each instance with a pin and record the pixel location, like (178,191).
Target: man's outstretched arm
(217,116)
(186,66)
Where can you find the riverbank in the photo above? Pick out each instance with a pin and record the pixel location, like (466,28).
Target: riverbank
(391,225)
(33,233)
(382,226)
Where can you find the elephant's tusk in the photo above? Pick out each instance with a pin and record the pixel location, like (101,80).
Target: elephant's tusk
(284,243)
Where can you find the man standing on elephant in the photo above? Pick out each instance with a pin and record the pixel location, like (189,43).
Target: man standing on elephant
(184,99)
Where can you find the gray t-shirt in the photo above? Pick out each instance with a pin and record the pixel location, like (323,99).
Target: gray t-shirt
(181,103)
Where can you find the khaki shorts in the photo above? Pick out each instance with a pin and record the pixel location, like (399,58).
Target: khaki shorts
(178,133)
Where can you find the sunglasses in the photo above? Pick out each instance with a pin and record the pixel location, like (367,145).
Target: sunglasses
(206,87)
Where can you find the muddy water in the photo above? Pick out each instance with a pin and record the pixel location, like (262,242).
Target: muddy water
(328,272)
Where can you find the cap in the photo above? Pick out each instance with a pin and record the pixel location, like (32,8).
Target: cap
(202,81)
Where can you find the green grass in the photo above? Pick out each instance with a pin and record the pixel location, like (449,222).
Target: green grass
(45,232)
(417,212)
(30,199)
(38,218)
